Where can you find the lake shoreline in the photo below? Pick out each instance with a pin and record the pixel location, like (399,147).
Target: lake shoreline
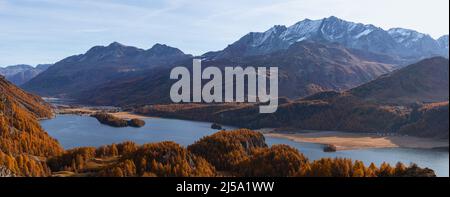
(340,139)
(355,141)
(73,131)
(92,110)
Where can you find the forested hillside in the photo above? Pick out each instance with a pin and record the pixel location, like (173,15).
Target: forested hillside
(24,144)
(226,153)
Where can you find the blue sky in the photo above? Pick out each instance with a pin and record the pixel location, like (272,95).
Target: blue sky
(46,31)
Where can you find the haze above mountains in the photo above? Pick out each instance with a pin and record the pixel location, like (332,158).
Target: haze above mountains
(19,74)
(312,55)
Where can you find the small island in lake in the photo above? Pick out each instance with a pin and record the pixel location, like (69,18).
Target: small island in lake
(113,121)
(135,122)
(216,126)
(329,148)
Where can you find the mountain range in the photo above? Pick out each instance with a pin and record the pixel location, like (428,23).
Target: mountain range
(20,74)
(399,102)
(99,65)
(397,42)
(305,68)
(329,54)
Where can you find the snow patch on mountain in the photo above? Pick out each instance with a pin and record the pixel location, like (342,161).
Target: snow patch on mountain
(364,33)
(260,38)
(301,30)
(405,36)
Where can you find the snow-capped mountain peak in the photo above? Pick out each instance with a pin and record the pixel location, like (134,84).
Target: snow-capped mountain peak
(401,35)
(261,38)
(301,30)
(396,42)
(334,28)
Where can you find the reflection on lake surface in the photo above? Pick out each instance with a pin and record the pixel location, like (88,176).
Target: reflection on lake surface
(74,131)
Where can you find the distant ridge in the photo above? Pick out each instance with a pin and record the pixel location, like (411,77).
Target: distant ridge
(425,81)
(20,74)
(305,68)
(101,64)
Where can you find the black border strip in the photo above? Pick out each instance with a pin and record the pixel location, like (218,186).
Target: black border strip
(167,186)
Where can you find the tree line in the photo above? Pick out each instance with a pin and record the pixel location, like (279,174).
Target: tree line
(241,153)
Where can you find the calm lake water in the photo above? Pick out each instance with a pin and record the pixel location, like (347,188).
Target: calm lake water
(74,131)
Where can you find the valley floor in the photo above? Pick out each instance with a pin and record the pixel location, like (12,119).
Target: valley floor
(350,141)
